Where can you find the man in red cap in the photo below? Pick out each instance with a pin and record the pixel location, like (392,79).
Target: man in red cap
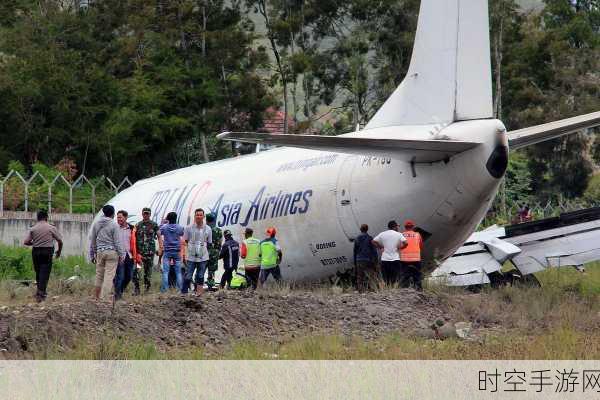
(410,257)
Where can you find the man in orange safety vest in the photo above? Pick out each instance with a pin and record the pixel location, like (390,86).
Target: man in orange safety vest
(410,257)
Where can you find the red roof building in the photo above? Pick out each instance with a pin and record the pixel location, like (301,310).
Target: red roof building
(274,121)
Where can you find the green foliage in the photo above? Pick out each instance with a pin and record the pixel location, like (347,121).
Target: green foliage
(548,73)
(518,180)
(124,80)
(17,166)
(136,88)
(592,192)
(15,263)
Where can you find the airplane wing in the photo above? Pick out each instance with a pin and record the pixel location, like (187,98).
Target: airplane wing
(408,150)
(540,133)
(572,239)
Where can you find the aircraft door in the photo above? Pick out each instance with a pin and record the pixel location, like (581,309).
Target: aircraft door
(345,200)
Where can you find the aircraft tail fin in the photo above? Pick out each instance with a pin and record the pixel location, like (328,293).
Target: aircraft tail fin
(404,149)
(449,78)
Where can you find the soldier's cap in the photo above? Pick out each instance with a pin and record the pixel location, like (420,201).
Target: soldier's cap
(227,233)
(210,217)
(146,210)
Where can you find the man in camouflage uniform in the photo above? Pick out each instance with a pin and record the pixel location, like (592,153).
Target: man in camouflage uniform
(146,234)
(214,250)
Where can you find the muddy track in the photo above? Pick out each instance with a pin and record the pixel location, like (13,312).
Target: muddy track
(215,319)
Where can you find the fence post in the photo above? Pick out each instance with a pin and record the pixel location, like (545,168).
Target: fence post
(26,185)
(93,199)
(115,188)
(49,198)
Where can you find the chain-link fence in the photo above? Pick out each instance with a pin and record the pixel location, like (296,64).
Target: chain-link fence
(56,194)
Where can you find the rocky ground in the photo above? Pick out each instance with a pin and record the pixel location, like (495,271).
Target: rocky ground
(215,319)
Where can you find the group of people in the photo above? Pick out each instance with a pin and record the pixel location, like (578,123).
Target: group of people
(400,257)
(123,252)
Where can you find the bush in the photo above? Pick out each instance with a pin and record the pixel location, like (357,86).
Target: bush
(592,193)
(16,264)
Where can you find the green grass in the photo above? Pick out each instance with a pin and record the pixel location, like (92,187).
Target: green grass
(561,344)
(16,264)
(103,349)
(564,343)
(559,320)
(570,280)
(118,348)
(16,267)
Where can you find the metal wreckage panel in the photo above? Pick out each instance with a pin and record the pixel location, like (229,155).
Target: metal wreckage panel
(573,250)
(486,251)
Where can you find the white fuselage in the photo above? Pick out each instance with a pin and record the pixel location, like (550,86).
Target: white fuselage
(317,200)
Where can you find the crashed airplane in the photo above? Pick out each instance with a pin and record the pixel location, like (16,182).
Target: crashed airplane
(571,239)
(433,153)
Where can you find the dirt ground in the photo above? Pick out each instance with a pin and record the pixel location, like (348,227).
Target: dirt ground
(215,319)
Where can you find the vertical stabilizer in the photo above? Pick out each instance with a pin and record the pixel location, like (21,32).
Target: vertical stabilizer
(449,77)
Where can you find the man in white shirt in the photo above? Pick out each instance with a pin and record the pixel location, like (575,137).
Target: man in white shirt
(391,242)
(197,237)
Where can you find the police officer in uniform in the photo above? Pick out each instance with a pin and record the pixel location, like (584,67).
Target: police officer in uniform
(41,237)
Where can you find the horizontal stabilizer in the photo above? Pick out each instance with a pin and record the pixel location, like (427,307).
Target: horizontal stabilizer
(540,133)
(408,150)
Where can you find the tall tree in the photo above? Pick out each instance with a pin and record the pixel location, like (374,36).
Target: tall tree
(548,73)
(117,81)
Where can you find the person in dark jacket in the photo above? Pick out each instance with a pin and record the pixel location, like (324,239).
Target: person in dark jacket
(365,261)
(230,253)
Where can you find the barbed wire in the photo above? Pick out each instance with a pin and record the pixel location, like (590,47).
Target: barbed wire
(509,214)
(56,193)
